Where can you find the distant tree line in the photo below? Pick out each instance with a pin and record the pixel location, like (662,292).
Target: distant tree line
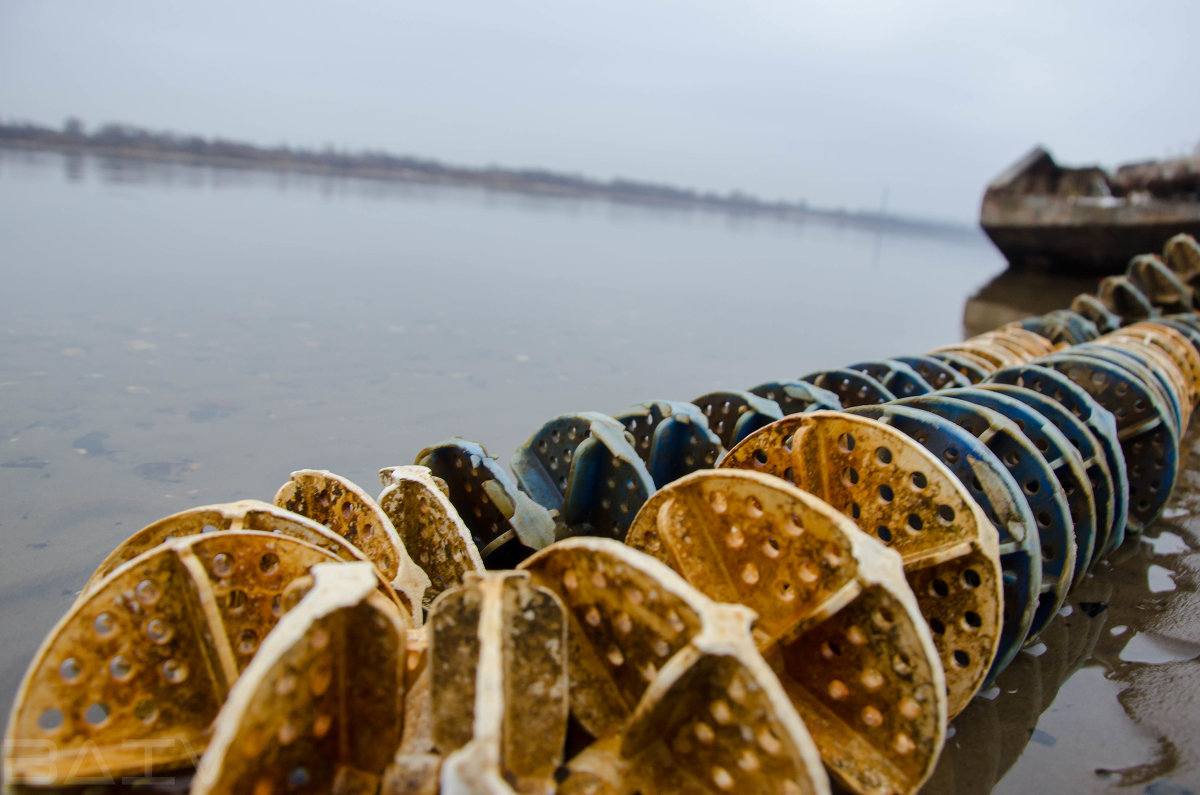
(129,140)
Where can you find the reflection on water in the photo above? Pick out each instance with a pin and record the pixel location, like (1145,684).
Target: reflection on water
(179,335)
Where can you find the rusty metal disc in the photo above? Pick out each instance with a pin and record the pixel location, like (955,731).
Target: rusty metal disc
(303,716)
(1140,364)
(897,491)
(354,515)
(793,397)
(505,524)
(133,675)
(1039,488)
(583,468)
(1145,428)
(853,388)
(1167,359)
(672,438)
(1124,299)
(1084,442)
(431,530)
(936,372)
(899,378)
(836,618)
(999,497)
(1061,457)
(733,415)
(1175,342)
(988,350)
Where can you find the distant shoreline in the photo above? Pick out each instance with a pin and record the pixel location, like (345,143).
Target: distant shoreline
(125,141)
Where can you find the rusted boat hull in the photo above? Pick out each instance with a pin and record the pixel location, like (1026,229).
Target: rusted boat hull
(1041,215)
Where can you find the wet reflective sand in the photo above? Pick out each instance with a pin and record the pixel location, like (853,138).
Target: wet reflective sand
(176,336)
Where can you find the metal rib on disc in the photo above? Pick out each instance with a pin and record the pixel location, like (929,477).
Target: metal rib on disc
(836,618)
(901,494)
(899,379)
(1099,420)
(1084,442)
(1148,440)
(1039,488)
(852,387)
(999,496)
(1063,459)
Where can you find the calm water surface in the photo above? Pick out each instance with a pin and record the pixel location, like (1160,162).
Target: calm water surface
(175,335)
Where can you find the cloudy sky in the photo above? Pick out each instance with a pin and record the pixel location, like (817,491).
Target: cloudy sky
(834,103)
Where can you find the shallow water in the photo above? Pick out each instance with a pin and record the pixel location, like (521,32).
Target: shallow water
(178,335)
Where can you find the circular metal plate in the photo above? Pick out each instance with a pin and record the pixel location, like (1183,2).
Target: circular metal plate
(1144,426)
(900,379)
(671,437)
(1154,379)
(898,491)
(793,397)
(852,387)
(1082,440)
(1039,488)
(999,496)
(1099,420)
(1063,459)
(970,367)
(936,373)
(734,415)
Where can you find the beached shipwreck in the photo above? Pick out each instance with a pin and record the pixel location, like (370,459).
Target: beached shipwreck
(1043,215)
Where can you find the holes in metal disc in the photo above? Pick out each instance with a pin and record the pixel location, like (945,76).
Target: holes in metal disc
(972,619)
(222,565)
(268,563)
(883,455)
(918,480)
(70,670)
(97,714)
(50,720)
(945,513)
(846,442)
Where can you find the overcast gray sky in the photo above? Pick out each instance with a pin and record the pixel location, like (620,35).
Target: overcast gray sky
(828,102)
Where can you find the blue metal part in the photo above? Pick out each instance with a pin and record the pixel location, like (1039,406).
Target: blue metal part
(990,484)
(1149,375)
(1099,420)
(672,438)
(900,379)
(936,373)
(1148,438)
(1062,325)
(961,365)
(794,397)
(1039,488)
(505,523)
(1094,310)
(734,415)
(1063,459)
(1088,447)
(584,469)
(852,387)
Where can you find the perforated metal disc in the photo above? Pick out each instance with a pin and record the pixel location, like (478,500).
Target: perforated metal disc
(672,437)
(899,378)
(990,352)
(1099,420)
(668,682)
(969,367)
(1039,488)
(1124,299)
(835,616)
(133,675)
(1152,377)
(793,397)
(1062,326)
(1060,455)
(583,466)
(1177,343)
(1092,457)
(897,491)
(1144,426)
(303,715)
(734,415)
(936,373)
(1163,367)
(505,524)
(998,495)
(852,387)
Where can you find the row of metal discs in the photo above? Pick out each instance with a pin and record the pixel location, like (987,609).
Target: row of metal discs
(900,529)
